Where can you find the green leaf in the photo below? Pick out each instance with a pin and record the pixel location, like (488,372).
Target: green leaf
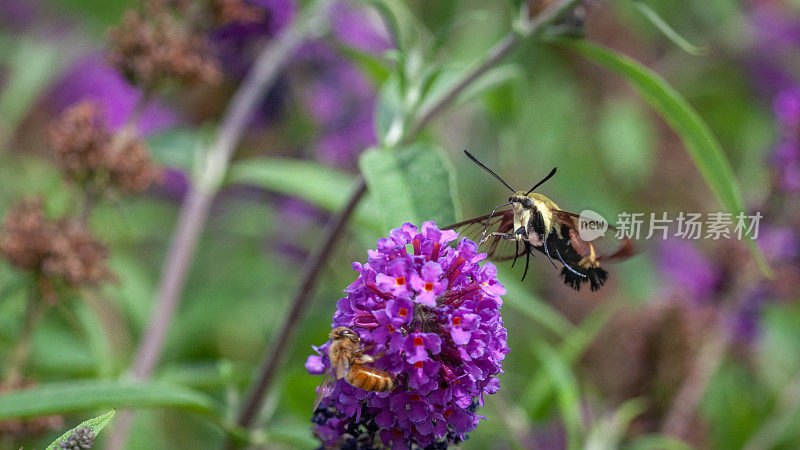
(96,425)
(376,68)
(492,79)
(67,397)
(656,442)
(390,21)
(700,142)
(569,397)
(175,148)
(626,137)
(412,184)
(608,433)
(321,185)
(538,393)
(31,66)
(522,300)
(667,30)
(390,112)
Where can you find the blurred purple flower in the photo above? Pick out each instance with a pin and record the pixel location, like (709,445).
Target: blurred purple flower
(341,100)
(175,183)
(239,43)
(744,322)
(445,349)
(17,15)
(686,270)
(338,96)
(775,26)
(776,36)
(781,245)
(359,29)
(786,155)
(92,79)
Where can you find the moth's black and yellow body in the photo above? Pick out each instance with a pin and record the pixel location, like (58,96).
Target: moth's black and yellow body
(551,231)
(536,222)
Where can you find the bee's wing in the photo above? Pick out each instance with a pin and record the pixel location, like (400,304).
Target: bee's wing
(342,367)
(325,388)
(496,248)
(607,247)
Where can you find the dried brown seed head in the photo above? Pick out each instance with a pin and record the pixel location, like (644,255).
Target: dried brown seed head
(152,49)
(64,249)
(91,157)
(25,234)
(80,139)
(130,168)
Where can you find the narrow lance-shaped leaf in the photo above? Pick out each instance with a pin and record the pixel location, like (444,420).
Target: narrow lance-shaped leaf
(59,398)
(700,142)
(569,397)
(667,30)
(95,425)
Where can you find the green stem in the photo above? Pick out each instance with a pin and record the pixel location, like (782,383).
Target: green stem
(34,311)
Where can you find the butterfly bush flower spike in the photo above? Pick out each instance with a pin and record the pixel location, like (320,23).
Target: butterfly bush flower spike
(430,315)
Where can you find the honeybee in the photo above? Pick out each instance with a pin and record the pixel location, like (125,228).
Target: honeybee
(348,361)
(536,222)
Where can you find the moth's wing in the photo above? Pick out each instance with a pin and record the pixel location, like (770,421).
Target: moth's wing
(606,248)
(496,248)
(325,388)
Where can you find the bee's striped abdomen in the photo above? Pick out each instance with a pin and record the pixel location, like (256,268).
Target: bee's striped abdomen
(370,379)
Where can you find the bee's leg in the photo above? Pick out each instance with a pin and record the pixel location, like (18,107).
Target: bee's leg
(547,252)
(359,357)
(560,258)
(527,259)
(516,252)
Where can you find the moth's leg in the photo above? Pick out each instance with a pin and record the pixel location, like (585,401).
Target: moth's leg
(486,225)
(547,252)
(516,252)
(498,234)
(527,259)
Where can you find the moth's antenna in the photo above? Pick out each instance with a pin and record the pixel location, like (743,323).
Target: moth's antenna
(469,155)
(549,175)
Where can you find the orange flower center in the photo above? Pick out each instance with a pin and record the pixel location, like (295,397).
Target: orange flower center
(456,321)
(428,287)
(415,398)
(403,312)
(417,341)
(400,281)
(418,365)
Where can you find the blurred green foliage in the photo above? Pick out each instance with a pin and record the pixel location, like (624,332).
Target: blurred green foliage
(543,107)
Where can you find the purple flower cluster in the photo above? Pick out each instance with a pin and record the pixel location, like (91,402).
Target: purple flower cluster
(786,156)
(431,316)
